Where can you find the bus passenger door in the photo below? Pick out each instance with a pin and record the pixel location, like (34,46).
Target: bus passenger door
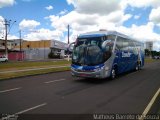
(117,59)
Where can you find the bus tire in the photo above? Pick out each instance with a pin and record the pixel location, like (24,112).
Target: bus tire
(138,66)
(113,73)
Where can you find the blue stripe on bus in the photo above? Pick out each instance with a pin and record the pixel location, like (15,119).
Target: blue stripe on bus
(92,35)
(126,63)
(87,68)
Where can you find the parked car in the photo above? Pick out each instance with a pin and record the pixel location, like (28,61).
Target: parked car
(156,57)
(3,59)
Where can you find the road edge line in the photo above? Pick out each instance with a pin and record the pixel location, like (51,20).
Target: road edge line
(149,105)
(29,109)
(21,112)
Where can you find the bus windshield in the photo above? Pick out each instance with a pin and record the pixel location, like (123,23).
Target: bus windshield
(89,51)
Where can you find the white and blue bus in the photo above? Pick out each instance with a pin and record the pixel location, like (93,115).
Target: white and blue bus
(105,54)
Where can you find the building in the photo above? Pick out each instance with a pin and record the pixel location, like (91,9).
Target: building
(13,54)
(9,45)
(149,45)
(42,48)
(34,49)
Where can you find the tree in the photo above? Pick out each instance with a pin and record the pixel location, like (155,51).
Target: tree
(147,52)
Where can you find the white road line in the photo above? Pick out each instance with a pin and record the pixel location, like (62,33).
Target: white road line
(3,91)
(23,111)
(29,109)
(149,105)
(54,81)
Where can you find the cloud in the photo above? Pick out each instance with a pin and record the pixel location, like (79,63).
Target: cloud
(2,28)
(4,3)
(77,21)
(140,3)
(49,7)
(11,37)
(63,12)
(102,7)
(155,16)
(156,46)
(26,0)
(136,17)
(1,22)
(28,24)
(84,22)
(43,34)
(142,32)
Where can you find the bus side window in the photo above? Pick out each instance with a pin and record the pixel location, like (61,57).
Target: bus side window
(131,46)
(116,48)
(119,43)
(111,37)
(125,44)
(135,50)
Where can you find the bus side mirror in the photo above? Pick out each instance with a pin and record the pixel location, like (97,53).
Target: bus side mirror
(71,46)
(106,44)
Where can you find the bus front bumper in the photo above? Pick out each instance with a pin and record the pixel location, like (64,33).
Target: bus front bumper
(86,74)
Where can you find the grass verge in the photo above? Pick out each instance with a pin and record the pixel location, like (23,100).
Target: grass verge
(24,65)
(149,60)
(27,73)
(29,64)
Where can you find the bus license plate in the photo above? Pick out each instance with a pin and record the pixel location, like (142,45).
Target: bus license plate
(83,75)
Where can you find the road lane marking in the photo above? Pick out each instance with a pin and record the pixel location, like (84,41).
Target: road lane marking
(54,81)
(21,112)
(3,91)
(29,109)
(149,105)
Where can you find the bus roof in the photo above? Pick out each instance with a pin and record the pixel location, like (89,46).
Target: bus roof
(103,33)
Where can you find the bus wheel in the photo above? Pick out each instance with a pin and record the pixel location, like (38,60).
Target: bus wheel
(138,65)
(113,73)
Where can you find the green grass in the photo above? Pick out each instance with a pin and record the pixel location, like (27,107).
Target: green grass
(149,60)
(26,73)
(29,64)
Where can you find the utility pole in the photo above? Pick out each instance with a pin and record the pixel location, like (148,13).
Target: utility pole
(68,41)
(44,49)
(68,34)
(20,38)
(6,30)
(7,24)
(20,44)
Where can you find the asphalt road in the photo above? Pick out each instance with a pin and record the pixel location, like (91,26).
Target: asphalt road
(59,93)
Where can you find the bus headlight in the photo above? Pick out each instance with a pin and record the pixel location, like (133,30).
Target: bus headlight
(106,68)
(98,69)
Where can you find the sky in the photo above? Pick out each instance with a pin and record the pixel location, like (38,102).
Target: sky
(48,19)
